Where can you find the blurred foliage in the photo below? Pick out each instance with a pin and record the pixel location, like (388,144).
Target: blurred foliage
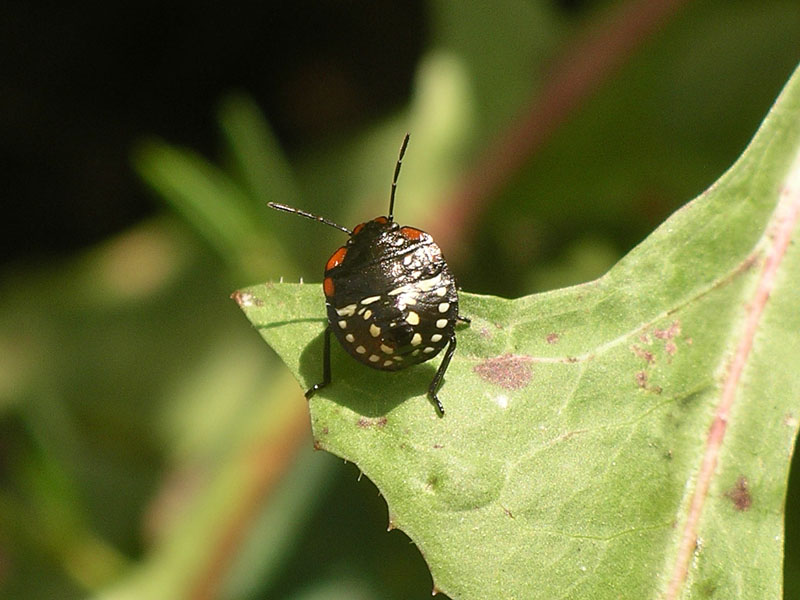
(151,446)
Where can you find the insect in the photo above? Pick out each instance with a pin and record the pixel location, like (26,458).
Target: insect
(391,299)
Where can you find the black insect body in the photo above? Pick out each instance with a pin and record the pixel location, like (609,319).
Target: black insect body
(391,299)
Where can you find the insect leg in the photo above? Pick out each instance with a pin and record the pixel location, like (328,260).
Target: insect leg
(464,319)
(437,379)
(326,365)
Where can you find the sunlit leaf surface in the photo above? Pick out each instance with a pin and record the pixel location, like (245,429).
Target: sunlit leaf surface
(626,438)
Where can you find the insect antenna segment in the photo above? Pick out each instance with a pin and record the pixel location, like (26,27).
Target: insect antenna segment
(396,175)
(308,215)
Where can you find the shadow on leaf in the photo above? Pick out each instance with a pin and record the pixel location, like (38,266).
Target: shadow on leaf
(365,391)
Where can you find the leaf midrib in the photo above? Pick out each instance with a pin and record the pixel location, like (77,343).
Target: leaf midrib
(780,227)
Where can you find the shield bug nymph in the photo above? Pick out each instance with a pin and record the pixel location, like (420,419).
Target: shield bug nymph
(391,299)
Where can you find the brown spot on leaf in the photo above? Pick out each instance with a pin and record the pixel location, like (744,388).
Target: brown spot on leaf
(366,423)
(670,347)
(641,379)
(740,494)
(485,333)
(552,338)
(642,382)
(668,333)
(645,339)
(510,371)
(645,355)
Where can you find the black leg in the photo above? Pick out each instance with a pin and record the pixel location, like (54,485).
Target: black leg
(464,319)
(437,379)
(326,365)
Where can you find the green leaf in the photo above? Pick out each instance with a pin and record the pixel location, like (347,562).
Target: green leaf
(257,156)
(206,196)
(625,438)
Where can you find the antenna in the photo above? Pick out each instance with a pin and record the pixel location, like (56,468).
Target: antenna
(396,174)
(307,215)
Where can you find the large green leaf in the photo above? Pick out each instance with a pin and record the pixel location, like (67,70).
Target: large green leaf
(625,438)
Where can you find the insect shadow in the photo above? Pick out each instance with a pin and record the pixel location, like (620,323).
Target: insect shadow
(365,391)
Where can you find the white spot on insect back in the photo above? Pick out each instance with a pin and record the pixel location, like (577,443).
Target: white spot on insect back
(387,363)
(408,288)
(370,300)
(427,285)
(343,324)
(444,307)
(436,337)
(350,338)
(346,311)
(374,330)
(441,323)
(416,340)
(367,314)
(361,350)
(428,350)
(407,259)
(387,349)
(404,300)
(412,318)
(440,291)
(374,358)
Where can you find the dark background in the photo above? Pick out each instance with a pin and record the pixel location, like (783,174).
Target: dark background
(81,83)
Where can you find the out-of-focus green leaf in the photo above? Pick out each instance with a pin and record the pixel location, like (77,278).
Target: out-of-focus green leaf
(338,590)
(258,159)
(221,527)
(504,45)
(660,130)
(203,194)
(587,428)
(220,207)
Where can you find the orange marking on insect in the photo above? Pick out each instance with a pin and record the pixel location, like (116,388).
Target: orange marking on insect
(336,259)
(382,220)
(358,228)
(328,287)
(411,233)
